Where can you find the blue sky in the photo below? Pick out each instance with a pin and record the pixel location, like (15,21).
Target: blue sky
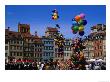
(39,17)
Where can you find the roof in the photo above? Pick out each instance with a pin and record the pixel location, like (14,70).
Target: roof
(11,34)
(50,29)
(24,25)
(26,35)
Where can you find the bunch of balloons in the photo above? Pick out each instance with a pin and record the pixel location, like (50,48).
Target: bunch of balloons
(78,23)
(55,15)
(59,41)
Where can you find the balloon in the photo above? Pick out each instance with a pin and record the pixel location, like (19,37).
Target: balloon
(80,22)
(74,32)
(76,28)
(81,28)
(82,15)
(55,14)
(77,18)
(55,17)
(74,23)
(81,33)
(84,22)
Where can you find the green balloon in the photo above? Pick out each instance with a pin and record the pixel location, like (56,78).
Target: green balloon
(76,28)
(80,22)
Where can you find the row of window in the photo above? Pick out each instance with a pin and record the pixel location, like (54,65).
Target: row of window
(16,42)
(58,55)
(67,43)
(48,54)
(36,45)
(39,50)
(48,47)
(65,49)
(29,49)
(15,47)
(28,54)
(98,54)
(48,42)
(67,54)
(15,53)
(38,55)
(98,47)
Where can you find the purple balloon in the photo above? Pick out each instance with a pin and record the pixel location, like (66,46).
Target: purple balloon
(82,15)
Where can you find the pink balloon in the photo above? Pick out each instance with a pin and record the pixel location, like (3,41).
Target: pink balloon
(82,15)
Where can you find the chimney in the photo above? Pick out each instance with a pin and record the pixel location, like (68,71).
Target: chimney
(8,28)
(35,33)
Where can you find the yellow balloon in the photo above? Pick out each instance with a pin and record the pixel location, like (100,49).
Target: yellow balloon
(55,17)
(81,28)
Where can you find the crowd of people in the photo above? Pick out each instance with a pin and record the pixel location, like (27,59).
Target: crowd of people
(56,65)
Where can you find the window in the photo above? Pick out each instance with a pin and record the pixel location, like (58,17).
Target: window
(17,42)
(14,53)
(46,42)
(46,48)
(21,54)
(6,47)
(20,47)
(56,55)
(14,41)
(32,55)
(67,54)
(18,54)
(35,54)
(52,54)
(17,47)
(20,42)
(100,47)
(11,54)
(101,53)
(40,55)
(14,47)
(6,42)
(46,54)
(5,54)
(51,42)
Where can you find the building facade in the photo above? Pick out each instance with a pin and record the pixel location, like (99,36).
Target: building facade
(96,42)
(13,45)
(24,45)
(48,48)
(68,49)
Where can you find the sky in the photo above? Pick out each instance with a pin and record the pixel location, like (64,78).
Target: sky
(39,17)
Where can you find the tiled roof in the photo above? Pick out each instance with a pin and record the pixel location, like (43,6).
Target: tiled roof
(50,29)
(11,34)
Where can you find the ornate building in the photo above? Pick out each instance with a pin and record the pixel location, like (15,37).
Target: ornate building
(96,42)
(68,49)
(13,45)
(38,48)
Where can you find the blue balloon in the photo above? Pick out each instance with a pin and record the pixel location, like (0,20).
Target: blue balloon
(81,33)
(84,22)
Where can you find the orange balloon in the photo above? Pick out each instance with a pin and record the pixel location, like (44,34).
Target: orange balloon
(77,18)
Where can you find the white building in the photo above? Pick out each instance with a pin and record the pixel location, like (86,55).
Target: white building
(67,49)
(48,48)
